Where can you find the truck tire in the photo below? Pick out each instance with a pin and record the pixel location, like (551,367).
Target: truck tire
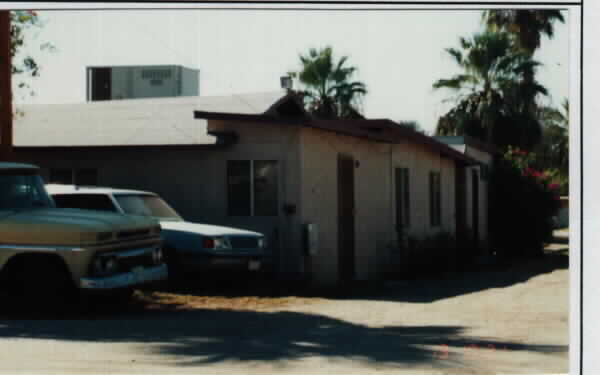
(55,282)
(174,265)
(41,284)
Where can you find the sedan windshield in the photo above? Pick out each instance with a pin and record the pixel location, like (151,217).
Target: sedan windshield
(22,191)
(146,205)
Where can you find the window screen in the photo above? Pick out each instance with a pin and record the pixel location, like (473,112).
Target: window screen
(435,197)
(265,188)
(402,198)
(238,188)
(252,188)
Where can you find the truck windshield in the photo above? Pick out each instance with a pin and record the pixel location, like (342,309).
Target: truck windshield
(22,191)
(146,205)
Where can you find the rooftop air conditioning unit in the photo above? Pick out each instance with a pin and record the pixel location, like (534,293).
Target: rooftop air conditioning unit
(132,82)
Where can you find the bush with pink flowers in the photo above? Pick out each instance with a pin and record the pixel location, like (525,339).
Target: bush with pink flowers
(522,203)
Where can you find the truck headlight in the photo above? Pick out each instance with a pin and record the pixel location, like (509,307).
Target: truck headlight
(262,243)
(105,265)
(215,243)
(157,256)
(104,236)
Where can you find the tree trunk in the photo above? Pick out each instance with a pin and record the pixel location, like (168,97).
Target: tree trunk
(5,88)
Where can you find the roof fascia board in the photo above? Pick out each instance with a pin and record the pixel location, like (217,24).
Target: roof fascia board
(246,117)
(120,147)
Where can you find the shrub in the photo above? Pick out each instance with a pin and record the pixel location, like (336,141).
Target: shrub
(425,255)
(523,201)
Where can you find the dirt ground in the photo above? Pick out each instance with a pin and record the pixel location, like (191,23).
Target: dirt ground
(513,319)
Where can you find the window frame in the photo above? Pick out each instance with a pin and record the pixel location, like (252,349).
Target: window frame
(435,198)
(252,194)
(402,197)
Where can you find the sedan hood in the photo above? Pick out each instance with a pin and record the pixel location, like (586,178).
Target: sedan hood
(63,226)
(206,229)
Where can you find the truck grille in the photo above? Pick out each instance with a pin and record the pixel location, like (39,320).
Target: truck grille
(243,242)
(123,235)
(128,263)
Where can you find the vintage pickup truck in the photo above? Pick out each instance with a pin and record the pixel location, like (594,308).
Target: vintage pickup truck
(51,251)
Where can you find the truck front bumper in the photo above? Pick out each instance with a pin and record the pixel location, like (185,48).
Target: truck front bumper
(125,280)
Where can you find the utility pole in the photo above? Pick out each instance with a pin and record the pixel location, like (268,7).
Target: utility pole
(6,126)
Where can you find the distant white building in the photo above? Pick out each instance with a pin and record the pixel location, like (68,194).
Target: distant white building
(142,81)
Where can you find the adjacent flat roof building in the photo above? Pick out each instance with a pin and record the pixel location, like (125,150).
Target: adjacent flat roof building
(260,162)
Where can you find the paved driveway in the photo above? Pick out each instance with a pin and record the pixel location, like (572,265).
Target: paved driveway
(505,321)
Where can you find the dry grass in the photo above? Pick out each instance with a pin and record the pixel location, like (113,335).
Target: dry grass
(154,300)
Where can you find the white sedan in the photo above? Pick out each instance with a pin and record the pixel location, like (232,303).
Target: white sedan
(189,247)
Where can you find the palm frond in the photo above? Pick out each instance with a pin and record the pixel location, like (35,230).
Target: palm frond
(456,83)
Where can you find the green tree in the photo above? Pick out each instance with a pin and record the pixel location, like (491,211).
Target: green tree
(414,125)
(487,91)
(24,66)
(553,151)
(523,201)
(526,28)
(330,91)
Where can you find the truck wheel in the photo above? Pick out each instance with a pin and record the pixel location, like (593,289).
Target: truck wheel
(120,296)
(44,285)
(55,282)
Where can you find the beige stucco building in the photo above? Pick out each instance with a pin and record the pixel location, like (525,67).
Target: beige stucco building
(331,195)
(476,185)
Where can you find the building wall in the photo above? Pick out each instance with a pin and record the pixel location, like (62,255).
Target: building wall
(483,157)
(190,82)
(269,142)
(374,198)
(319,153)
(420,162)
(180,176)
(194,181)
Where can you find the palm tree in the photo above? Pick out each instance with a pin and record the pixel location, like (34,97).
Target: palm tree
(553,151)
(488,87)
(527,26)
(329,93)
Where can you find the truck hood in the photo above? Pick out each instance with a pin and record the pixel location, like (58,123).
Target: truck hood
(205,229)
(64,226)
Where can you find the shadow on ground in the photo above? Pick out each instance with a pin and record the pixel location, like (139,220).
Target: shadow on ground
(498,276)
(264,291)
(210,336)
(425,289)
(202,336)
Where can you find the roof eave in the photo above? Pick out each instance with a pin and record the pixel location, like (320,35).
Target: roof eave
(242,117)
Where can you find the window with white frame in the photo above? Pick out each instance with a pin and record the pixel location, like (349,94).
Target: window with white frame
(252,187)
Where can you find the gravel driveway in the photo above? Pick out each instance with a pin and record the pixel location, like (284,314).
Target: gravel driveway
(513,320)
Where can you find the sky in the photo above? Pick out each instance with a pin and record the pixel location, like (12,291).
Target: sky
(399,53)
